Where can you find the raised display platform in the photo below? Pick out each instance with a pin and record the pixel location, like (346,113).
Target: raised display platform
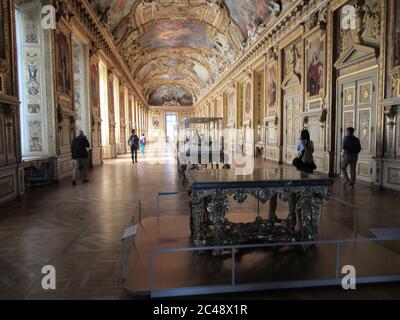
(157,266)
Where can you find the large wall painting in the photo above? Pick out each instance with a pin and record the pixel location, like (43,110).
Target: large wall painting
(397,35)
(170,96)
(315,66)
(94,84)
(249,14)
(2,42)
(156,122)
(248,98)
(64,62)
(176,34)
(271,86)
(231,108)
(76,65)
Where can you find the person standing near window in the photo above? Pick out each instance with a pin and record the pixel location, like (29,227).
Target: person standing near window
(80,156)
(351,147)
(134,144)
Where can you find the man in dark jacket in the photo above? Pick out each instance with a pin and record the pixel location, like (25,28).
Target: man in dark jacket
(351,148)
(80,156)
(134,144)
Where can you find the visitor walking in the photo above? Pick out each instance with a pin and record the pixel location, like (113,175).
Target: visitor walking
(305,159)
(142,142)
(80,156)
(134,144)
(351,147)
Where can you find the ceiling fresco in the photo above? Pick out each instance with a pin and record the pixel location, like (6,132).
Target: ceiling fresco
(171,96)
(113,11)
(249,14)
(176,34)
(184,44)
(172,77)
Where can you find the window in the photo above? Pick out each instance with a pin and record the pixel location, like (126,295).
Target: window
(79,57)
(105,128)
(34,95)
(117,111)
(171,123)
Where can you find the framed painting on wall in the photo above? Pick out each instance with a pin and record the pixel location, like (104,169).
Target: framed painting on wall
(2,33)
(156,122)
(248,98)
(94,84)
(64,69)
(396,34)
(270,82)
(315,67)
(231,108)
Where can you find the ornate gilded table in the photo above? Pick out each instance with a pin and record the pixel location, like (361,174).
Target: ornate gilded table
(210,191)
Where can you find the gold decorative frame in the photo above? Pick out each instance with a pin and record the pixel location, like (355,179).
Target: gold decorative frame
(369,129)
(353,117)
(248,97)
(321,37)
(346,103)
(63,33)
(3,86)
(272,64)
(361,99)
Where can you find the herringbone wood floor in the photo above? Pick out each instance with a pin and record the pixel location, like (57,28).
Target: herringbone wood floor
(78,230)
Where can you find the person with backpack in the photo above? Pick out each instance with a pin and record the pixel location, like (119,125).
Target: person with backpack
(134,144)
(351,147)
(142,143)
(305,159)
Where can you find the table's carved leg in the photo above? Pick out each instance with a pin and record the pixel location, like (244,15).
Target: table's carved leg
(218,206)
(273,204)
(196,213)
(292,219)
(308,206)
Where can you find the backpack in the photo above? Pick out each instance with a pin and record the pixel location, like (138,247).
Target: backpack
(134,140)
(355,146)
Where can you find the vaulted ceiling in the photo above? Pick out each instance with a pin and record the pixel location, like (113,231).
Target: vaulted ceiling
(176,49)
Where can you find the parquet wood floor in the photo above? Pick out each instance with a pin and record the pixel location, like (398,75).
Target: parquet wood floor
(78,230)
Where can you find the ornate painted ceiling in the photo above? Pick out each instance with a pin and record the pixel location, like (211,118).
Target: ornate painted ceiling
(176,49)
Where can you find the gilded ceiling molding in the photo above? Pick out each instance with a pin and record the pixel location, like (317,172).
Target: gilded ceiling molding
(133,37)
(88,19)
(297,13)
